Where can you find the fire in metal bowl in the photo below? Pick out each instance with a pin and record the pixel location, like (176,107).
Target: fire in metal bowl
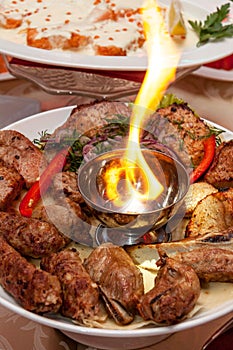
(126,224)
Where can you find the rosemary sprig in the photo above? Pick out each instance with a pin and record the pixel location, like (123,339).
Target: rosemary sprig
(212,29)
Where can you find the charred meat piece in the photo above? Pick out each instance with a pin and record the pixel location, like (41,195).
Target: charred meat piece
(174,294)
(11,183)
(89,118)
(66,219)
(119,280)
(34,289)
(18,151)
(190,127)
(65,184)
(220,174)
(210,264)
(81,298)
(30,236)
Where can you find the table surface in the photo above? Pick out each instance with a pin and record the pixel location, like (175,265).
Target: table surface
(212,99)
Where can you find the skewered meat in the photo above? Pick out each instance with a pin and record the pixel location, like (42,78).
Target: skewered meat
(30,236)
(220,174)
(18,151)
(119,280)
(174,294)
(81,298)
(34,289)
(11,183)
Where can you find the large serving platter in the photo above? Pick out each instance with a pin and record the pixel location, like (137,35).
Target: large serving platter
(191,55)
(221,303)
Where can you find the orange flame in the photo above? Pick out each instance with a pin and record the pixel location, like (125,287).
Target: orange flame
(162,63)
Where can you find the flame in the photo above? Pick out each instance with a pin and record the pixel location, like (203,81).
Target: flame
(162,62)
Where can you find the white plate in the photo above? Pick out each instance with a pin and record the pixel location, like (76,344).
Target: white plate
(191,55)
(212,73)
(102,338)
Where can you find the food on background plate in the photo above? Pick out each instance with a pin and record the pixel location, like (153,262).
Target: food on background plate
(3,68)
(225,63)
(107,28)
(88,131)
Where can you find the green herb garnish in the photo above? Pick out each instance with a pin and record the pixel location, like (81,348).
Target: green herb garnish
(212,29)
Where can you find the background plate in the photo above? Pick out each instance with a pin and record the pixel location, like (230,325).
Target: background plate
(191,55)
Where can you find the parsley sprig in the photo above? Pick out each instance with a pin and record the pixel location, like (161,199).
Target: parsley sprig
(212,29)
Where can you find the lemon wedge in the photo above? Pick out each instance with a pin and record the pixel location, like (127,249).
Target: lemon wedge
(176,25)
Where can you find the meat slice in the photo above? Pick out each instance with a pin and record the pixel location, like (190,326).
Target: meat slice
(18,151)
(81,300)
(87,119)
(220,174)
(120,281)
(30,236)
(34,289)
(11,183)
(189,126)
(174,294)
(210,264)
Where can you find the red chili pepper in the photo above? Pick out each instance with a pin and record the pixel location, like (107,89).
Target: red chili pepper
(209,152)
(39,187)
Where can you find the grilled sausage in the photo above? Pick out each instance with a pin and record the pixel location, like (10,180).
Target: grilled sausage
(80,294)
(210,264)
(34,289)
(18,151)
(31,237)
(11,183)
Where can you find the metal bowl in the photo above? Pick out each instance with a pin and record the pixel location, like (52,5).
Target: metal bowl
(127,224)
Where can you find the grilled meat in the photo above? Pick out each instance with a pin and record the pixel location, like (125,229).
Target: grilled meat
(66,220)
(18,151)
(11,183)
(189,127)
(34,289)
(119,280)
(210,264)
(174,294)
(81,298)
(220,174)
(65,184)
(88,118)
(31,237)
